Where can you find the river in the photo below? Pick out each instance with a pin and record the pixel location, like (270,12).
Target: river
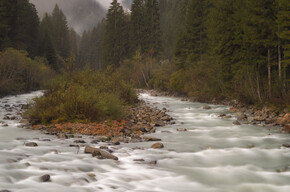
(213,155)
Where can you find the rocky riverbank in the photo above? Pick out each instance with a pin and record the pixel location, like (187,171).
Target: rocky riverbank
(265,117)
(140,120)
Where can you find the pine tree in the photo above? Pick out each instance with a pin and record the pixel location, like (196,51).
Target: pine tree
(115,45)
(152,18)
(60,33)
(192,44)
(137,27)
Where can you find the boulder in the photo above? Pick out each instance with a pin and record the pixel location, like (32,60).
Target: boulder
(31,144)
(157,146)
(79,141)
(45,178)
(99,152)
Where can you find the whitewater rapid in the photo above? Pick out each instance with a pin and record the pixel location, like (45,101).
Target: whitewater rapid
(213,155)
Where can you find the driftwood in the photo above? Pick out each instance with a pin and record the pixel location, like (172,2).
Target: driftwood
(99,152)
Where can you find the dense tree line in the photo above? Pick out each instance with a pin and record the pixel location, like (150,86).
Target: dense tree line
(237,49)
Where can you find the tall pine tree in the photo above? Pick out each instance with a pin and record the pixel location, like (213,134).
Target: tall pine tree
(115,44)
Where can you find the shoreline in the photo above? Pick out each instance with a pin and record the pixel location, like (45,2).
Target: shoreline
(244,114)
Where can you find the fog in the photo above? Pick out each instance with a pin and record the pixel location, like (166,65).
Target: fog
(81,14)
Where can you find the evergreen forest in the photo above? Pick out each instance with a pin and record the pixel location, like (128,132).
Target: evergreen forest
(204,49)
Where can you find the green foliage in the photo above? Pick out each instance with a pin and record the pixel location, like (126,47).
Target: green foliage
(19,73)
(84,96)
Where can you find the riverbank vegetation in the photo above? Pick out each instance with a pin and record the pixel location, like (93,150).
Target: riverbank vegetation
(86,96)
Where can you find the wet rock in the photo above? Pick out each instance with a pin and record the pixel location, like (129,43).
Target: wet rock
(116,141)
(159,123)
(100,153)
(5,125)
(222,115)
(286,145)
(31,144)
(151,139)
(236,123)
(79,141)
(96,141)
(104,147)
(152,162)
(45,140)
(5,190)
(157,146)
(62,136)
(45,178)
(71,145)
(181,129)
(206,107)
(139,160)
(166,132)
(241,116)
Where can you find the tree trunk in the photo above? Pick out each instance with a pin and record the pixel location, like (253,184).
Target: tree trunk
(279,55)
(269,74)
(258,88)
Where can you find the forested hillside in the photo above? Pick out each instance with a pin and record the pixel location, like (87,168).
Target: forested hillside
(204,49)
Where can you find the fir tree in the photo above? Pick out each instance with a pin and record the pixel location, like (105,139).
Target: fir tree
(152,21)
(137,27)
(115,45)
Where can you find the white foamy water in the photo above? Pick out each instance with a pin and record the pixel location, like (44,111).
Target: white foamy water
(212,156)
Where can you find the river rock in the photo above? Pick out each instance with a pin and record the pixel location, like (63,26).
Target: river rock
(31,144)
(79,141)
(151,139)
(62,136)
(95,141)
(286,145)
(242,116)
(104,147)
(181,129)
(157,146)
(222,115)
(99,152)
(45,178)
(159,123)
(5,190)
(139,160)
(236,123)
(207,107)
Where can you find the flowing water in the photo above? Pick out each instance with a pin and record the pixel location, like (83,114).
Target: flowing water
(212,156)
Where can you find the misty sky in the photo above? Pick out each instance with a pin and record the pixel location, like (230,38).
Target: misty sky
(81,14)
